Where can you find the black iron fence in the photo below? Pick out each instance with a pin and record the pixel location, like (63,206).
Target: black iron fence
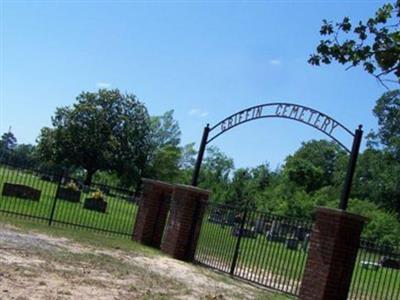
(259,247)
(60,199)
(377,272)
(272,251)
(256,246)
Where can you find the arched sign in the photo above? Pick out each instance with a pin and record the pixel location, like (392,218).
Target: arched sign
(296,112)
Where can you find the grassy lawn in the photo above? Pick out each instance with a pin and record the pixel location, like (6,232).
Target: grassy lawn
(382,283)
(119,217)
(79,235)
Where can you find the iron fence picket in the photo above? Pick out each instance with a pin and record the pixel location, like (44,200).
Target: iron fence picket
(121,209)
(268,260)
(371,279)
(237,247)
(264,259)
(256,259)
(55,201)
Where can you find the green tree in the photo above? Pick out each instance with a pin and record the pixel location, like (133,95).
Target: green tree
(239,193)
(314,164)
(260,177)
(8,142)
(382,227)
(377,179)
(104,130)
(186,163)
(165,130)
(374,44)
(387,110)
(165,154)
(24,155)
(215,172)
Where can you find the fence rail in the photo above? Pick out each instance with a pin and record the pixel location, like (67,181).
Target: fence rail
(272,251)
(377,272)
(52,198)
(256,246)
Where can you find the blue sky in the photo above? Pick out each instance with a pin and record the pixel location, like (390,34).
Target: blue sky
(204,59)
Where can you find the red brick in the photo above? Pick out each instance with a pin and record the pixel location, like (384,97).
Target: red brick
(152,213)
(184,222)
(333,250)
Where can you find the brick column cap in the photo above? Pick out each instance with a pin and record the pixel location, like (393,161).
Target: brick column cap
(158,183)
(341,213)
(192,188)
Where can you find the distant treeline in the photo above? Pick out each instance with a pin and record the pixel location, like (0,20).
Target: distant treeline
(109,137)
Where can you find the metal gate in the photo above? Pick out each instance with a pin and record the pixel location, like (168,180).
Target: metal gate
(256,246)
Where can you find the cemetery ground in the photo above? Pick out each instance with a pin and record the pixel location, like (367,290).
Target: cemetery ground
(41,262)
(120,264)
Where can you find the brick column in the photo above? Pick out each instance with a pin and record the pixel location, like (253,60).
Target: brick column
(153,211)
(332,254)
(184,223)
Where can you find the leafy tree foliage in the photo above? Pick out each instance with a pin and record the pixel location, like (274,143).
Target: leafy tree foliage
(215,173)
(104,130)
(378,174)
(24,155)
(381,227)
(387,110)
(374,44)
(165,130)
(314,164)
(378,180)
(165,154)
(261,177)
(239,193)
(187,162)
(7,143)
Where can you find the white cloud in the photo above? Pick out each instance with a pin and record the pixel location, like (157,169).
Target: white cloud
(198,112)
(103,85)
(275,62)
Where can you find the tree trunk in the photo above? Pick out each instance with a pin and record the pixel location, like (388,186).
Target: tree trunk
(89,176)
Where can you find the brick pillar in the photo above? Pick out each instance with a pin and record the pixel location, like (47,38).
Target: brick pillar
(332,254)
(184,223)
(153,211)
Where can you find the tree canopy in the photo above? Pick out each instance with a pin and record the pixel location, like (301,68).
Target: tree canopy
(8,143)
(104,130)
(374,44)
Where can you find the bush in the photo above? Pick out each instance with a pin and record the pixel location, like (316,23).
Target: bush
(382,227)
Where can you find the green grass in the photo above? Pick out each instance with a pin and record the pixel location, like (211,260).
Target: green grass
(285,267)
(119,217)
(383,283)
(82,236)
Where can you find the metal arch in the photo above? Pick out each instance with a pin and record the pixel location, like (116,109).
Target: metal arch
(357,137)
(282,117)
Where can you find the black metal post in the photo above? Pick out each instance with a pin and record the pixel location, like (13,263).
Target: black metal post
(200,155)
(237,248)
(344,199)
(55,200)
